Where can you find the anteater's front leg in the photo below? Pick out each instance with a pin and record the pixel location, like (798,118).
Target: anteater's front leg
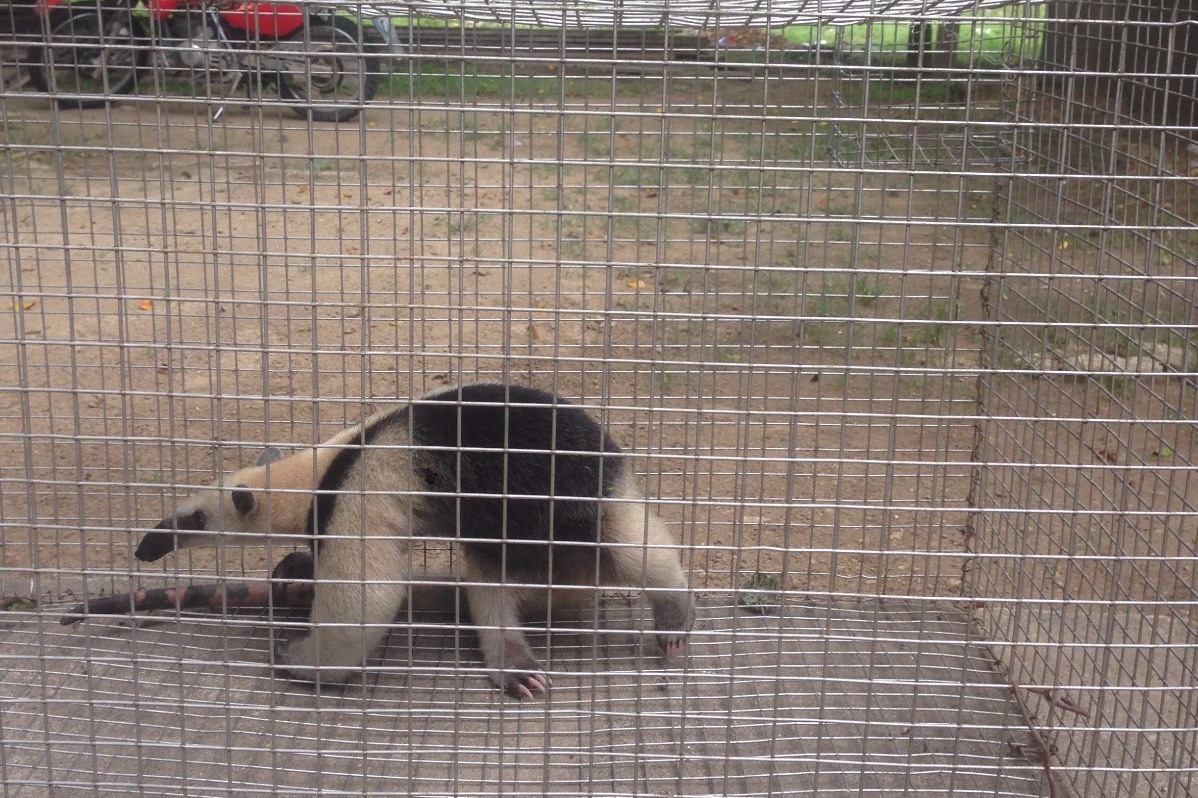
(638,551)
(358,594)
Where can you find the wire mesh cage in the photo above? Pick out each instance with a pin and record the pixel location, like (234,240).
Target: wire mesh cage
(1090,398)
(890,307)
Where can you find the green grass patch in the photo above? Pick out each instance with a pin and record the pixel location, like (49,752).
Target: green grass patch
(635,176)
(888,336)
(933,328)
(840,295)
(775,292)
(442,80)
(318,166)
(718,228)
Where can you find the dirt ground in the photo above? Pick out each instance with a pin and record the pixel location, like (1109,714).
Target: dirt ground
(788,346)
(774,306)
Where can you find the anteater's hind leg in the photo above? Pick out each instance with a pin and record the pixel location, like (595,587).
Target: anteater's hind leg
(638,551)
(357,597)
(495,610)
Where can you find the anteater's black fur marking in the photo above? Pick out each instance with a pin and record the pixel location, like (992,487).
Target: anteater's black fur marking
(333,480)
(553,449)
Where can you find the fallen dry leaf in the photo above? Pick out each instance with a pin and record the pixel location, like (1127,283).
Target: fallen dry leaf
(636,283)
(145,304)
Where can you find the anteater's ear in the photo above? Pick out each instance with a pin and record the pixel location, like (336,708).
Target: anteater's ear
(271,454)
(243,500)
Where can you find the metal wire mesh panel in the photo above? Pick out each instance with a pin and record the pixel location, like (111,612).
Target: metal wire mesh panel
(1088,529)
(759,258)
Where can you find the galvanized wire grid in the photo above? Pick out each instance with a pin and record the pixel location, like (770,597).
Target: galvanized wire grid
(882,313)
(1088,526)
(815,702)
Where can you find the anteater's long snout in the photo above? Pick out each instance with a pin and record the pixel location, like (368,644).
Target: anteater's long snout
(156,545)
(165,537)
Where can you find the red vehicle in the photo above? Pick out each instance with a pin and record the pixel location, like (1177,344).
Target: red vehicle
(323,63)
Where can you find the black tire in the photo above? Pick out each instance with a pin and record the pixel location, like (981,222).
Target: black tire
(91,55)
(332,69)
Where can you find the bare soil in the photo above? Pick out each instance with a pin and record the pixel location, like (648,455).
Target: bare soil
(787,346)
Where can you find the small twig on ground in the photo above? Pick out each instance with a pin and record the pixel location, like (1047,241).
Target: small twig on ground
(1060,701)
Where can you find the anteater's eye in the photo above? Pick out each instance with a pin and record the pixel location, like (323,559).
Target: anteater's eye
(196,521)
